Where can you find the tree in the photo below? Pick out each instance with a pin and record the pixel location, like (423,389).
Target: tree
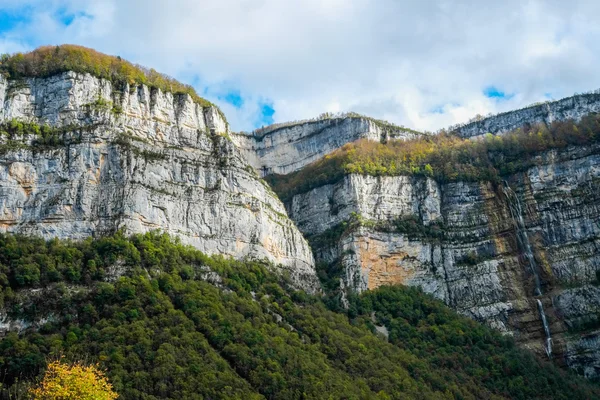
(428,170)
(64,381)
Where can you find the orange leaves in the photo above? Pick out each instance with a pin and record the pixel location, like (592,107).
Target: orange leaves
(73,381)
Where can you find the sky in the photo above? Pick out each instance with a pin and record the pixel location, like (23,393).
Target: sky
(422,64)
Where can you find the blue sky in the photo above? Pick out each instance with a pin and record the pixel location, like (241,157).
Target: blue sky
(10,18)
(425,65)
(265,113)
(67,17)
(493,92)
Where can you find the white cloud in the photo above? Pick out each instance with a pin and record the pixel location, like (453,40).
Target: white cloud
(421,64)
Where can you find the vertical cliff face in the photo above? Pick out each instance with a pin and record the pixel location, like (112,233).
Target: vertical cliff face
(520,256)
(287,148)
(138,159)
(72,99)
(573,107)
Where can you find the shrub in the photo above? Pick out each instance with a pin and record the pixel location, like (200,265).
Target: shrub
(73,381)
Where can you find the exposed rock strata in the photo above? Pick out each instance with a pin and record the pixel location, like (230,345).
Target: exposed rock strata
(139,159)
(573,107)
(285,149)
(476,264)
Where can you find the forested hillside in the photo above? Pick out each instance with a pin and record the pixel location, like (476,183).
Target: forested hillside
(166,321)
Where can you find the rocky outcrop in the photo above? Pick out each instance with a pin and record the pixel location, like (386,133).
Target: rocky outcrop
(573,107)
(287,148)
(71,99)
(463,243)
(374,198)
(138,159)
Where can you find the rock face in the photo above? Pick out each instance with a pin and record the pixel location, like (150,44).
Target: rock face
(467,244)
(573,107)
(522,256)
(284,149)
(138,159)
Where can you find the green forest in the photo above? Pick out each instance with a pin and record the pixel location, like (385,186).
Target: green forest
(166,321)
(444,157)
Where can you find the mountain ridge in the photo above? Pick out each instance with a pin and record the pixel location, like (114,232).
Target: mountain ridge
(505,229)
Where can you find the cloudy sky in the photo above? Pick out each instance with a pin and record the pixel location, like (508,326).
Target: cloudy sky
(422,64)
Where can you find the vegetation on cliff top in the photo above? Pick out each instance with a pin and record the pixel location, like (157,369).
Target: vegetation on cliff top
(46,61)
(166,321)
(445,157)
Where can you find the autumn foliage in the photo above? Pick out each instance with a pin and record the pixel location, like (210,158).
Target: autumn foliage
(64,381)
(444,157)
(50,60)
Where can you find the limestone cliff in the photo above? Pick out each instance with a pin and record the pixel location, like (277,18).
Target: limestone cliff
(138,159)
(520,256)
(285,148)
(573,107)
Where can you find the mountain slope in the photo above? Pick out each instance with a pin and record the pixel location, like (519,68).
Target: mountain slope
(288,147)
(504,229)
(570,108)
(169,322)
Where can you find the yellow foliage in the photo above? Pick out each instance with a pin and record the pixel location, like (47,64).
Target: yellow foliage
(73,381)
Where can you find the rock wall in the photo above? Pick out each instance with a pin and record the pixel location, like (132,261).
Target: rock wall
(461,242)
(281,150)
(139,159)
(81,99)
(573,107)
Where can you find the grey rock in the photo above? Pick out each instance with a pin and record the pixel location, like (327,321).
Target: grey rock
(573,107)
(476,266)
(144,160)
(287,148)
